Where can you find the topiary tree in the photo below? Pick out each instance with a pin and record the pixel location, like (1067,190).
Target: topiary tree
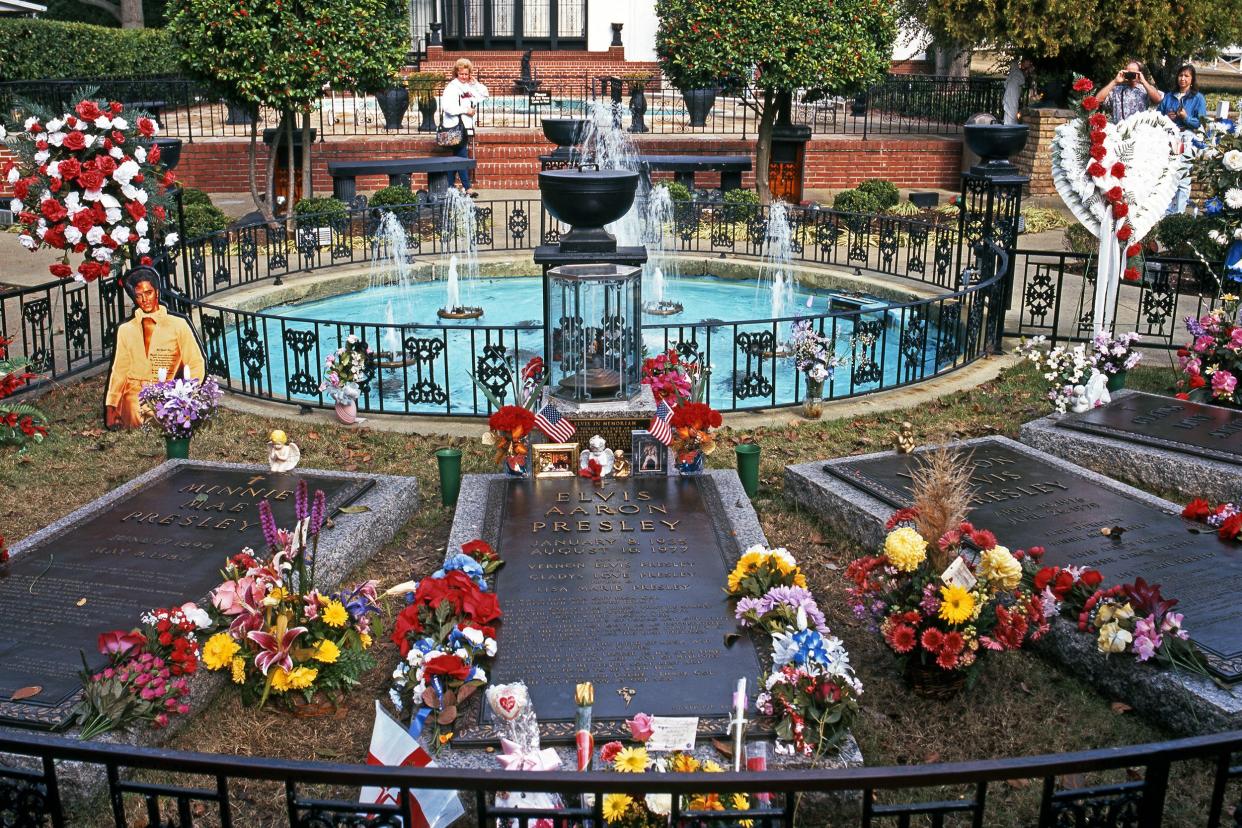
(766,50)
(882,190)
(282,54)
(1092,37)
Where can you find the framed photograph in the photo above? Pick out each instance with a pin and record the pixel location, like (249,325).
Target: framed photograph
(648,456)
(554,459)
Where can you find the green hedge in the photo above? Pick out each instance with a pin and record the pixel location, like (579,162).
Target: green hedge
(38,49)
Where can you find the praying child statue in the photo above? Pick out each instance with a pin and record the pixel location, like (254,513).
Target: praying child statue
(620,466)
(282,455)
(599,452)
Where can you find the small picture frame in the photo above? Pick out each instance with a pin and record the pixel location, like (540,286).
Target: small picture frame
(648,456)
(554,459)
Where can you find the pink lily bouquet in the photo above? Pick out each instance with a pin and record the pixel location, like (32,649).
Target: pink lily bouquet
(278,634)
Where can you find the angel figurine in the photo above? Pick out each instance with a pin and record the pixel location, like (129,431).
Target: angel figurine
(282,455)
(599,452)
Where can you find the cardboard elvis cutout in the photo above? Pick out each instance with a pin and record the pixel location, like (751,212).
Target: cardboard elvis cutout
(152,346)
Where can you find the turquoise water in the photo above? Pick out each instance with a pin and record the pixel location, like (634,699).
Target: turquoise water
(387,317)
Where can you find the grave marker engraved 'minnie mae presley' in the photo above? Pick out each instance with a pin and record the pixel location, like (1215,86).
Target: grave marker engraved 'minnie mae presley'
(1028,501)
(1168,423)
(620,585)
(161,545)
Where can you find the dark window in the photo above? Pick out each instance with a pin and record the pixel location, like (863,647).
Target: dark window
(555,24)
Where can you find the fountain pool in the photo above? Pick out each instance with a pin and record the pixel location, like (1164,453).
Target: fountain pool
(717,312)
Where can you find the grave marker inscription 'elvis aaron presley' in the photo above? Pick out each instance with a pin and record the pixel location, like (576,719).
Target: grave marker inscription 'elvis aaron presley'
(1028,501)
(621,585)
(161,545)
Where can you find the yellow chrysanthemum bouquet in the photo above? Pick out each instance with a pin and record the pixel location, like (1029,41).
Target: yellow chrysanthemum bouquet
(276,634)
(941,591)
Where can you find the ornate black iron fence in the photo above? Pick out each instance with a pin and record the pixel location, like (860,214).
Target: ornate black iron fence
(1137,786)
(1054,295)
(901,104)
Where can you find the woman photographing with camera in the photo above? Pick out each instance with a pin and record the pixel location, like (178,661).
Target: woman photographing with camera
(459,107)
(1186,108)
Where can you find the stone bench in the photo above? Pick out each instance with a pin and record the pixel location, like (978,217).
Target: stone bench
(439,171)
(684,167)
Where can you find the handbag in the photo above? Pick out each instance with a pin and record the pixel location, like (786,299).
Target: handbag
(453,136)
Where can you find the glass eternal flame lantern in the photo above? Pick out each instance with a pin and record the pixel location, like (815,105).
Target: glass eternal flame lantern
(594,338)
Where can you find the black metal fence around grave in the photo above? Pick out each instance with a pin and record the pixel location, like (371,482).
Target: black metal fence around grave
(901,104)
(1186,782)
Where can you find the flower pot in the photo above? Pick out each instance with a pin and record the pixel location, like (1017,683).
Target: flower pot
(427,109)
(699,103)
(347,412)
(393,103)
(1116,381)
(638,108)
(177,448)
(449,462)
(748,467)
(691,463)
(813,402)
(239,114)
(931,682)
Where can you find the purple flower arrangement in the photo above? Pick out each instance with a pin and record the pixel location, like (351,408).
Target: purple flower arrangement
(180,407)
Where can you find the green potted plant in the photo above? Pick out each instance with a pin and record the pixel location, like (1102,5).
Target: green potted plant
(423,87)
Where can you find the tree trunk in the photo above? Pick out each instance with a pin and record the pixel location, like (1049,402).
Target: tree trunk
(307,178)
(271,170)
(951,59)
(264,207)
(763,147)
(131,14)
(290,117)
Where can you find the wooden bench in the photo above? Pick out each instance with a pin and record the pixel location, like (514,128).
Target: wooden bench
(439,171)
(684,167)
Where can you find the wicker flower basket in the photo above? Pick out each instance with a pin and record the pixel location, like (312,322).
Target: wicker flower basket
(931,682)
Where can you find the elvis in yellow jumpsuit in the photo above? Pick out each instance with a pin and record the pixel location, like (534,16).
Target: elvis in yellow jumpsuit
(152,340)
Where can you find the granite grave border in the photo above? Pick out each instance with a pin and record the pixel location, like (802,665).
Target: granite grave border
(352,540)
(1189,474)
(1184,703)
(480,505)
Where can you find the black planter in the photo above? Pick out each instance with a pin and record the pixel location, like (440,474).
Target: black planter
(240,114)
(995,144)
(638,108)
(170,149)
(427,109)
(858,106)
(393,103)
(587,200)
(699,103)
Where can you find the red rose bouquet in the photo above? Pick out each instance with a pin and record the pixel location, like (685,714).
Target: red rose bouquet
(87,184)
(692,425)
(508,428)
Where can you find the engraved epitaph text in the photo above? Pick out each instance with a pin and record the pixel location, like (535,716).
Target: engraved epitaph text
(1168,423)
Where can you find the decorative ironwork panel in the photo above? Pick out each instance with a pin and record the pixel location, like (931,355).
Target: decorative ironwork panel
(888,245)
(916,249)
(341,248)
(1158,304)
(1116,806)
(252,351)
(77,325)
(36,313)
(484,235)
(757,231)
(859,237)
(248,253)
(308,245)
(686,220)
(944,256)
(110,297)
(320,818)
(757,347)
(221,274)
(299,345)
(688,351)
(552,235)
(974,209)
(198,267)
(827,233)
(213,335)
(974,321)
(424,353)
(722,235)
(913,345)
(492,371)
(519,225)
(863,344)
(1039,295)
(278,249)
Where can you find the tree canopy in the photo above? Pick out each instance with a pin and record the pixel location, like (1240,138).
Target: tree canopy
(1092,37)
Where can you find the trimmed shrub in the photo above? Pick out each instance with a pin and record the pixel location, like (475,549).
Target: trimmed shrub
(193,195)
(855,201)
(677,191)
(883,191)
(203,219)
(327,209)
(741,205)
(1182,234)
(51,49)
(394,196)
(1079,239)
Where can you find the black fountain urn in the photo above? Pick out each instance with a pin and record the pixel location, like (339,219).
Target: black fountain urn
(586,200)
(995,144)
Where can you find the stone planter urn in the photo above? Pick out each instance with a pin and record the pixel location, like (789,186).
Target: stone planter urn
(239,114)
(699,103)
(995,144)
(170,149)
(393,103)
(427,109)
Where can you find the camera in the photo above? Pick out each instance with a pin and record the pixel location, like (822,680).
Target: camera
(1129,75)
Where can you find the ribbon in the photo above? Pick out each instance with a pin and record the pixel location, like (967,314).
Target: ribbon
(513,757)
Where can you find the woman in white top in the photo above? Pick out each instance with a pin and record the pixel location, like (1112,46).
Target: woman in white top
(459,105)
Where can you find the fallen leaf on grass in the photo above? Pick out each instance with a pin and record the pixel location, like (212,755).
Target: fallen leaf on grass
(1022,686)
(1018,783)
(832,566)
(1134,774)
(1120,707)
(818,537)
(932,758)
(1071,780)
(312,435)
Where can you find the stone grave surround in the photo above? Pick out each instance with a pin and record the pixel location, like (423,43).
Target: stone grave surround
(89,550)
(1159,442)
(1076,501)
(480,513)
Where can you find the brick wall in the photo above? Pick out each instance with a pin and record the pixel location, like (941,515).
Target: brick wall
(498,69)
(1035,160)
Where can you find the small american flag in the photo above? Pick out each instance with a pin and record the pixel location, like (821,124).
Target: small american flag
(551,423)
(659,427)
